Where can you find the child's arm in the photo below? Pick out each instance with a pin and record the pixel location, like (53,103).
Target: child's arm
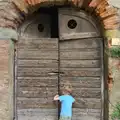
(56,97)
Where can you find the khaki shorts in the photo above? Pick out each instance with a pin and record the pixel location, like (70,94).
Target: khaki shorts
(65,118)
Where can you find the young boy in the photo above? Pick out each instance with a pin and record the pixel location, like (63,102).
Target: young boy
(66,104)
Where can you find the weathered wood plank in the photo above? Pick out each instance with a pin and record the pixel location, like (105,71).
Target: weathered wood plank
(79,82)
(38,54)
(68,72)
(40,82)
(37,63)
(80,63)
(81,54)
(86,92)
(26,72)
(78,114)
(39,117)
(38,114)
(48,92)
(37,81)
(89,103)
(77,111)
(25,103)
(30,103)
(38,89)
(86,114)
(51,114)
(42,79)
(38,44)
(90,93)
(80,43)
(37,92)
(28,94)
(86,117)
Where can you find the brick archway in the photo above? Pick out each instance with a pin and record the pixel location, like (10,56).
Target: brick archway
(13,13)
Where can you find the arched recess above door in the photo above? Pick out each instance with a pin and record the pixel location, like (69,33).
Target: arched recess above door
(77,24)
(13,13)
(36,26)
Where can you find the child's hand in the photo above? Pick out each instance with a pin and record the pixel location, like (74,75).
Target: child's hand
(56,97)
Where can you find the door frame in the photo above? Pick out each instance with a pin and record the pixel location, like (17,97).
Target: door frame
(103,78)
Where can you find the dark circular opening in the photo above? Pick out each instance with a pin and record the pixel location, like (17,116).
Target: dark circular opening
(72,24)
(40,27)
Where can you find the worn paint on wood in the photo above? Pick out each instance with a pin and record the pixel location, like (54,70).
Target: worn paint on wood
(38,54)
(26,72)
(38,114)
(38,92)
(79,62)
(31,103)
(80,54)
(46,114)
(38,44)
(39,63)
(82,82)
(37,81)
(90,103)
(37,77)
(90,72)
(80,43)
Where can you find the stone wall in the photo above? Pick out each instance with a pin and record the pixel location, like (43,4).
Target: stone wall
(4,46)
(115,90)
(6,79)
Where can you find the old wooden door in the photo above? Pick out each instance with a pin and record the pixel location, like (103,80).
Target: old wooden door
(81,63)
(44,64)
(37,71)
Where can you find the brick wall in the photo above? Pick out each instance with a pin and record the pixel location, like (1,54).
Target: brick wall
(4,46)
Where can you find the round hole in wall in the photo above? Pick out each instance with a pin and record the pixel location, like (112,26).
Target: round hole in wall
(72,24)
(40,27)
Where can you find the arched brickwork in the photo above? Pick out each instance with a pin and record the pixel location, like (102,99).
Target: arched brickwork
(13,13)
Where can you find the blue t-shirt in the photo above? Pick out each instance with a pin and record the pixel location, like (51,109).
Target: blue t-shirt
(66,105)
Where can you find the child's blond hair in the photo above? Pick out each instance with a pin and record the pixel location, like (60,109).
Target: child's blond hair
(67,88)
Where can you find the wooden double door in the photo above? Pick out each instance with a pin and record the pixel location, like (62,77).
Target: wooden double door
(43,65)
